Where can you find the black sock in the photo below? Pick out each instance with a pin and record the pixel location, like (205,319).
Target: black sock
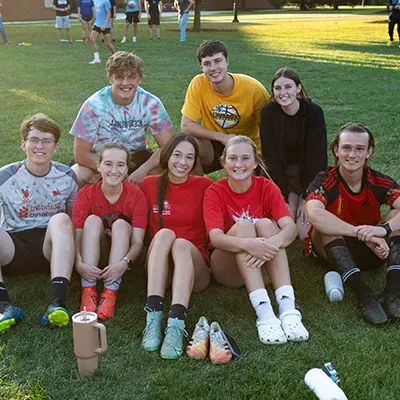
(4,297)
(155,303)
(178,311)
(393,271)
(339,255)
(393,281)
(58,291)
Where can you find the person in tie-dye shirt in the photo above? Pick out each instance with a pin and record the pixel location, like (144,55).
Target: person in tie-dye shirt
(121,112)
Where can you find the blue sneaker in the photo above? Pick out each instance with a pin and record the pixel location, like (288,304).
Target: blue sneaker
(9,316)
(151,340)
(55,316)
(172,346)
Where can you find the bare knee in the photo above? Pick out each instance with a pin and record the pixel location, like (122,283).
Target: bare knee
(165,236)
(62,222)
(180,246)
(93,222)
(243,228)
(266,227)
(85,175)
(121,225)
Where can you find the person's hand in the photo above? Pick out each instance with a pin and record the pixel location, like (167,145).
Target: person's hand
(88,272)
(254,262)
(114,271)
(366,232)
(103,27)
(261,248)
(379,246)
(225,137)
(136,176)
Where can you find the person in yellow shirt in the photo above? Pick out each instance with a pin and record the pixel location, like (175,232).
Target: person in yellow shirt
(226,104)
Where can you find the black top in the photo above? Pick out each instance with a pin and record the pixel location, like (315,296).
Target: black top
(61,4)
(280,147)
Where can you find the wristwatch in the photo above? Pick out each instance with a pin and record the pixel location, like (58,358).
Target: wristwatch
(127,260)
(386,227)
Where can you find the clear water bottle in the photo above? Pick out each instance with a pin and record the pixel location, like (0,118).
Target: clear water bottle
(323,386)
(334,287)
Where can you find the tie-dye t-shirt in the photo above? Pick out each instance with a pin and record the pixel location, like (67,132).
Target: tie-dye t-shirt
(28,201)
(101,120)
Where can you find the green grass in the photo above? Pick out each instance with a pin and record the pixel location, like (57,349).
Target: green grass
(346,67)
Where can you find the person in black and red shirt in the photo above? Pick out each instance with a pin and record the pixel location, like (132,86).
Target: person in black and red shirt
(343,206)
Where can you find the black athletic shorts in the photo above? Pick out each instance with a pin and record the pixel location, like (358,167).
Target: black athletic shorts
(28,255)
(363,256)
(87,17)
(132,17)
(154,19)
(103,31)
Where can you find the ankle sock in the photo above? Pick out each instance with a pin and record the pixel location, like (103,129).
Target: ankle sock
(114,285)
(85,283)
(4,297)
(285,298)
(262,304)
(58,291)
(155,303)
(178,311)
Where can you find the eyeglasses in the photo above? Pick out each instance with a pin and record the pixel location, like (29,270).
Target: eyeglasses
(45,142)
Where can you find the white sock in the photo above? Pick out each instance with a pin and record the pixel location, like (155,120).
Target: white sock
(285,298)
(96,55)
(262,304)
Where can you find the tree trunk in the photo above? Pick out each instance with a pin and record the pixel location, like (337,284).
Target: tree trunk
(196,22)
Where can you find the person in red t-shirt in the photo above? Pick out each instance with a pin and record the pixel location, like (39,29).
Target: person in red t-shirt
(110,219)
(249,225)
(343,206)
(178,250)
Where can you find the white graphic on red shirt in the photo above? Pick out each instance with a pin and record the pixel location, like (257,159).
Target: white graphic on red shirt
(166,210)
(244,215)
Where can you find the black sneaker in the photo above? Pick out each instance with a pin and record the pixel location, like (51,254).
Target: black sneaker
(372,311)
(391,304)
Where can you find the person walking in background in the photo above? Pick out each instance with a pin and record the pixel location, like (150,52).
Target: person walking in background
(113,16)
(86,16)
(102,24)
(110,219)
(62,8)
(2,30)
(394,18)
(178,249)
(183,6)
(133,10)
(154,11)
(293,141)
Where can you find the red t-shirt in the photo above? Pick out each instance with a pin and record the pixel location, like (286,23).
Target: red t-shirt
(183,209)
(362,208)
(223,207)
(131,206)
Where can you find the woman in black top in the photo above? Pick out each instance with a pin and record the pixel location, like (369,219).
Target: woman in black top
(293,141)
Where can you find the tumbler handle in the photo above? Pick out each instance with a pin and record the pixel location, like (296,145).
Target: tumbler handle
(103,338)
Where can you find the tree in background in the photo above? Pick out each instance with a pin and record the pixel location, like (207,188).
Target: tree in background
(196,22)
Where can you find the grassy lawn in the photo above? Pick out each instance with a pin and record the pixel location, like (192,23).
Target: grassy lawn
(347,68)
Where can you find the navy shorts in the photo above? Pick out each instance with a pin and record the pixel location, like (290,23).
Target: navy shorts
(132,17)
(103,31)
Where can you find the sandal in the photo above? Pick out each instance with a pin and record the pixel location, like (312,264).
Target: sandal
(270,331)
(293,327)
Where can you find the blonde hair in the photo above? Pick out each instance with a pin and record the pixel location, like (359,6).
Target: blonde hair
(124,61)
(244,139)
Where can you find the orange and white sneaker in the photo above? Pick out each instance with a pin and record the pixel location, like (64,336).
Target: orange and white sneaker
(219,349)
(199,343)
(89,298)
(107,302)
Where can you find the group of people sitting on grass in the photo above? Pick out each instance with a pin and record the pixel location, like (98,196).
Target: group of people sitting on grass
(273,151)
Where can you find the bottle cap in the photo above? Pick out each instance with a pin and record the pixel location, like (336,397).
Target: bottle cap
(335,296)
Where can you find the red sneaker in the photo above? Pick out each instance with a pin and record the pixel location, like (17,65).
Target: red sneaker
(106,307)
(89,298)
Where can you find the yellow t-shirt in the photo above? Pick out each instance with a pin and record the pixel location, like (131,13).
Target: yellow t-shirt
(237,113)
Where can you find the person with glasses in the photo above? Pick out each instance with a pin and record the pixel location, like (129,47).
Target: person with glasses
(121,112)
(36,232)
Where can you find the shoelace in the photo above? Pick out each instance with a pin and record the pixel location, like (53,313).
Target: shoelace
(179,331)
(200,334)
(219,341)
(150,327)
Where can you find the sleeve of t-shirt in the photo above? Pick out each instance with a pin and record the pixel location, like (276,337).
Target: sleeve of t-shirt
(275,202)
(159,118)
(318,191)
(81,210)
(86,124)
(212,210)
(139,210)
(191,107)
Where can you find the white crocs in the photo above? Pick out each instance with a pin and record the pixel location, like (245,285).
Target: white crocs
(293,327)
(270,331)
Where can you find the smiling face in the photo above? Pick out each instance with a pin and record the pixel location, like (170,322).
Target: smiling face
(215,68)
(39,148)
(239,161)
(285,92)
(113,167)
(181,162)
(124,85)
(352,150)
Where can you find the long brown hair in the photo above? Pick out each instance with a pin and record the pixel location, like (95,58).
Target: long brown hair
(163,180)
(288,73)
